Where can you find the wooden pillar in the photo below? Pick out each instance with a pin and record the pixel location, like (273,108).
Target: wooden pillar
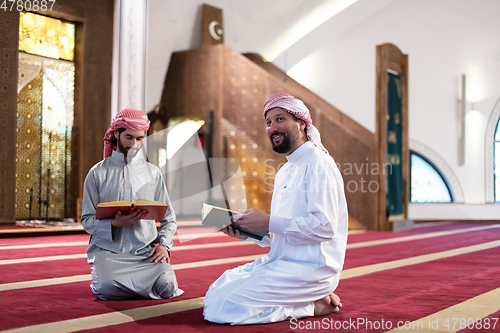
(9,45)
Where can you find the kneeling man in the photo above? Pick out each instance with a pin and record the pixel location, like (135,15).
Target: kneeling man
(126,262)
(308,232)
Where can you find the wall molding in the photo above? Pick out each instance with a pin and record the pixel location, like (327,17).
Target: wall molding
(489,172)
(450,211)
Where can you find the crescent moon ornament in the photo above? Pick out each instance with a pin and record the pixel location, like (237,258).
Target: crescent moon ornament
(211,30)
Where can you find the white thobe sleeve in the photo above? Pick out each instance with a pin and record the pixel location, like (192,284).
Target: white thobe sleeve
(265,242)
(90,200)
(168,225)
(320,207)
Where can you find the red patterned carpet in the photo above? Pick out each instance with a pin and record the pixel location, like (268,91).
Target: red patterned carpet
(389,280)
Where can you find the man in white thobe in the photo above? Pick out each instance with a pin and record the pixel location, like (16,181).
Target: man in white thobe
(129,257)
(307,232)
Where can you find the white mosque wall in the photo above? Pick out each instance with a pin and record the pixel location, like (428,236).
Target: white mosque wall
(443,39)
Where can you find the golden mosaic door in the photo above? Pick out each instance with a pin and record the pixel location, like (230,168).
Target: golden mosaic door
(44,117)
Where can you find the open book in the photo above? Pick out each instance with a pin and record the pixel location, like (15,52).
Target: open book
(108,210)
(218,217)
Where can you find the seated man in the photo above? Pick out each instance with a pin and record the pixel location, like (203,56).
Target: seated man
(308,232)
(125,261)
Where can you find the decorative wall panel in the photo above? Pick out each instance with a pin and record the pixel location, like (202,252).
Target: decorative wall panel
(44,128)
(28,146)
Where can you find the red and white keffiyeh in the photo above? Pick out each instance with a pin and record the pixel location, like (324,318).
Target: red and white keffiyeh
(297,108)
(128,118)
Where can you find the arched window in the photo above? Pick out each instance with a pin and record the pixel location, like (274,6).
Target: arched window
(427,183)
(496,162)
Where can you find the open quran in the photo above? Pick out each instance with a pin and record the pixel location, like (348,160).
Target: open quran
(219,217)
(107,210)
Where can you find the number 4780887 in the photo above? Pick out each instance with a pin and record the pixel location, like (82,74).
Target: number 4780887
(27,5)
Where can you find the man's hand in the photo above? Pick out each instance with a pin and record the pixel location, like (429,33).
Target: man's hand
(254,220)
(159,254)
(230,231)
(135,217)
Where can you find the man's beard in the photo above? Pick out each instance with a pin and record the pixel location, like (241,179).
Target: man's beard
(284,146)
(128,152)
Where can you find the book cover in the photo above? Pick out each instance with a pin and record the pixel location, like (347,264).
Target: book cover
(107,210)
(218,217)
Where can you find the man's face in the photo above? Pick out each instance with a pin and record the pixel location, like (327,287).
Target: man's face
(129,142)
(284,130)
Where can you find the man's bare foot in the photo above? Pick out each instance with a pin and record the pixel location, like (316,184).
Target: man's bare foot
(327,305)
